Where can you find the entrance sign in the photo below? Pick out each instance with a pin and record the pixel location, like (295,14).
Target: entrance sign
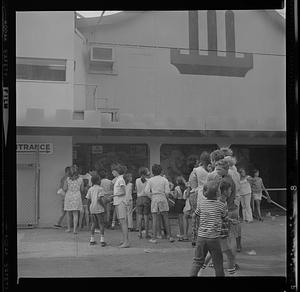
(44,148)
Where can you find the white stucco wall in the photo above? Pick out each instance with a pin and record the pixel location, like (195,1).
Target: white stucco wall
(45,34)
(51,170)
(151,93)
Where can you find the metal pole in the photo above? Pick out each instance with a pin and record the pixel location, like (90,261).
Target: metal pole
(276,204)
(37,185)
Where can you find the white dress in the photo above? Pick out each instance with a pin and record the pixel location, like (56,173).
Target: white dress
(73,200)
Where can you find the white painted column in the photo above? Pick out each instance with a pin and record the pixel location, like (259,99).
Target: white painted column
(154,149)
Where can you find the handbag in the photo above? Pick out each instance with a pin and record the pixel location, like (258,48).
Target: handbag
(61,192)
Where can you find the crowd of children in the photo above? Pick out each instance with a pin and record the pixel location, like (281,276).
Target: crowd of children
(211,197)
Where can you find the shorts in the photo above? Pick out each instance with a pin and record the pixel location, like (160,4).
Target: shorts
(179,205)
(85,209)
(159,203)
(257,196)
(226,243)
(235,229)
(121,210)
(98,218)
(143,205)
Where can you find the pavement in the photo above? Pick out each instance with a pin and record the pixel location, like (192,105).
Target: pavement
(51,252)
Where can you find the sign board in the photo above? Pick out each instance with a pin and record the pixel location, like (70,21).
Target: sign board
(97,149)
(44,148)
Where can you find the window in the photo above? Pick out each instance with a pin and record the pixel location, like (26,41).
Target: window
(102,156)
(102,60)
(179,159)
(41,69)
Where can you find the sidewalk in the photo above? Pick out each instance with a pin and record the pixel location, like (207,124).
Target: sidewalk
(54,253)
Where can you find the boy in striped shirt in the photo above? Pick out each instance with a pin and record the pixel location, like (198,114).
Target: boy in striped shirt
(211,212)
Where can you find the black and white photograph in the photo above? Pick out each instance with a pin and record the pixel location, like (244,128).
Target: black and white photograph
(151,143)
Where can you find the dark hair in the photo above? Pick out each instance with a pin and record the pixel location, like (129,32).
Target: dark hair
(143,171)
(67,169)
(254,171)
(126,177)
(180,182)
(102,173)
(120,169)
(73,172)
(210,189)
(156,169)
(224,186)
(205,158)
(95,179)
(217,155)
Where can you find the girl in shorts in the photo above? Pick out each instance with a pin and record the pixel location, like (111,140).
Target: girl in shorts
(95,195)
(158,189)
(257,186)
(179,205)
(143,202)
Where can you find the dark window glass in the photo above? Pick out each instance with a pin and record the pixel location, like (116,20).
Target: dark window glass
(179,159)
(102,156)
(41,69)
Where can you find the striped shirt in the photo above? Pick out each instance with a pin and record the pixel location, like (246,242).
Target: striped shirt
(211,213)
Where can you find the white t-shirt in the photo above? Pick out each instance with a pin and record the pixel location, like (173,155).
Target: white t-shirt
(119,182)
(140,187)
(245,187)
(201,174)
(157,185)
(93,194)
(107,186)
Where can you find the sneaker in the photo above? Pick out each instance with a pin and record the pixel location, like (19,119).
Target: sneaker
(93,242)
(159,236)
(171,239)
(152,240)
(231,271)
(97,230)
(124,245)
(103,243)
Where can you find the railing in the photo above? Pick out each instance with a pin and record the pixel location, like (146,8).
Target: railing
(276,189)
(87,97)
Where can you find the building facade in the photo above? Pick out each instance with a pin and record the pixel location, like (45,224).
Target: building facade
(143,88)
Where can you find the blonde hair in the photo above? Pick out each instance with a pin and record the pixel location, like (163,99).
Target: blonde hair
(231,160)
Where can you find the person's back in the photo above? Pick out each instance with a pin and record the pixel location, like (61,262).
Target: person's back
(107,186)
(201,174)
(140,186)
(158,185)
(231,199)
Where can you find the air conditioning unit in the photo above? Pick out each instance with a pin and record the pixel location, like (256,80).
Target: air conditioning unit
(101,60)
